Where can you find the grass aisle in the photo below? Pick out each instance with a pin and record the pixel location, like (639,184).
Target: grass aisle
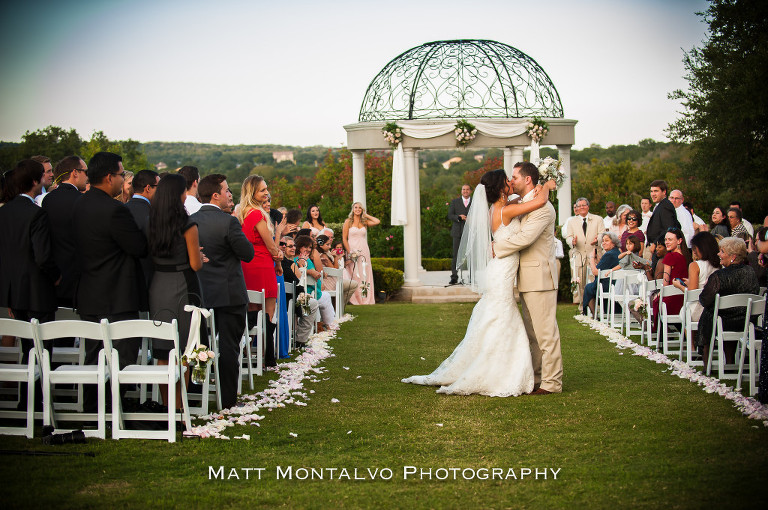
(624,433)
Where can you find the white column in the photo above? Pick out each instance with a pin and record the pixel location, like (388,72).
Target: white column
(509,161)
(411,244)
(418,209)
(358,176)
(564,210)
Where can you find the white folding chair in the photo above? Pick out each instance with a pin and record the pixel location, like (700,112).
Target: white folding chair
(753,346)
(290,296)
(18,373)
(338,292)
(211,375)
(629,298)
(11,354)
(78,374)
(721,335)
(601,296)
(647,289)
(259,331)
(168,374)
(619,295)
(666,319)
(691,299)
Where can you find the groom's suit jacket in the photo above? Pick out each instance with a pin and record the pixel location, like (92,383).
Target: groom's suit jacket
(536,244)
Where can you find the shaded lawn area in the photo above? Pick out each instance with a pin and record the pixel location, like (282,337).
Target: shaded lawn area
(624,433)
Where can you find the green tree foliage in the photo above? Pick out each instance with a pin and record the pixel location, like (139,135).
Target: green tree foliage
(725,116)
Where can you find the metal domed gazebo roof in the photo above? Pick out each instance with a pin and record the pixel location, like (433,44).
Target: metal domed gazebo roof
(461,79)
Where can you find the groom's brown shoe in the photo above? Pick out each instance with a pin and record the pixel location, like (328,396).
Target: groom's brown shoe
(540,391)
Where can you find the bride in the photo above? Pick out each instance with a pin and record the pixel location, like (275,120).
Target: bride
(494,358)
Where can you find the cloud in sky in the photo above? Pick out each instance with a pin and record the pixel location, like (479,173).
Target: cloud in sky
(294,72)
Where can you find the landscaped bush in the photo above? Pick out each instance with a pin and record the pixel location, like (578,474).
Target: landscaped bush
(428,264)
(386,279)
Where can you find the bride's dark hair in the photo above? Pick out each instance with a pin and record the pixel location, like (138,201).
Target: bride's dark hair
(495,183)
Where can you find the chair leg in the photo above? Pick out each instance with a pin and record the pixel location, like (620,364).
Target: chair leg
(171,404)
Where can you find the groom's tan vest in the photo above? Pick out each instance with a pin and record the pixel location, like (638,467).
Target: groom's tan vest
(536,244)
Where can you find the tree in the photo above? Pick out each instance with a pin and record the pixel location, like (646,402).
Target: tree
(725,116)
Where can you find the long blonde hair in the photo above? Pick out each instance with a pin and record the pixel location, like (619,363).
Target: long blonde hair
(362,215)
(249,203)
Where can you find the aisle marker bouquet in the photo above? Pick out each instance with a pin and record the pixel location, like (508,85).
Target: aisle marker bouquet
(537,129)
(303,300)
(392,134)
(465,132)
(641,307)
(364,288)
(198,360)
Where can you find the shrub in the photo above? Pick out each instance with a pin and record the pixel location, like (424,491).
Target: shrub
(436,264)
(386,279)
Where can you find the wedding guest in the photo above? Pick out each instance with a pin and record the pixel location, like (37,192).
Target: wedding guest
(260,272)
(683,216)
(655,271)
(581,236)
(645,208)
(747,225)
(192,176)
(664,216)
(109,246)
(610,214)
(719,226)
(48,182)
(284,337)
(292,274)
(610,259)
(332,255)
(354,238)
(314,220)
(292,220)
(72,174)
(633,219)
(7,187)
(457,215)
(675,265)
(559,253)
(734,277)
(699,225)
(127,192)
(175,248)
(619,223)
(704,250)
(735,222)
(309,258)
(145,185)
(221,279)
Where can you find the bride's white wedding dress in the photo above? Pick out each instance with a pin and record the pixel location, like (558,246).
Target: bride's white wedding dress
(494,357)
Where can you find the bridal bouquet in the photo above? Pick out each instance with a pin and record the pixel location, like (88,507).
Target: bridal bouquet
(551,170)
(640,307)
(465,133)
(303,300)
(392,134)
(198,360)
(537,129)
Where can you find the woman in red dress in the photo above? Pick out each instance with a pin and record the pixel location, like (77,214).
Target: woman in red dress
(260,272)
(675,266)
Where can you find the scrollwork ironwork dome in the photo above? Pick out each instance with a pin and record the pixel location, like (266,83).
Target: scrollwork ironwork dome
(461,79)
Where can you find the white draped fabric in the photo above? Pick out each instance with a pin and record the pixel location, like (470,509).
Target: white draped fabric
(416,129)
(193,340)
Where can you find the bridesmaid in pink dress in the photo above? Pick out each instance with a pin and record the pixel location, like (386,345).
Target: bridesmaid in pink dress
(354,237)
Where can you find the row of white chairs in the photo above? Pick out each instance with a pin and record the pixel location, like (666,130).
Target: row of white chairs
(625,286)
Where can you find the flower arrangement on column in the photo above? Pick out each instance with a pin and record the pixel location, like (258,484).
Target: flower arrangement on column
(465,132)
(393,134)
(537,129)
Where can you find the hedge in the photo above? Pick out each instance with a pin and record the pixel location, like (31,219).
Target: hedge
(428,263)
(387,279)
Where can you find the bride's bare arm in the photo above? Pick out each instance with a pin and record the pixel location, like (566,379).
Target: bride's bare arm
(540,198)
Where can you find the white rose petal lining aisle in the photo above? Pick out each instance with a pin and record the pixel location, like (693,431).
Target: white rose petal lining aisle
(287,389)
(748,406)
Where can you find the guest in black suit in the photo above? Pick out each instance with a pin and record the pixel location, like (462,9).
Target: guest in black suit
(221,278)
(109,246)
(28,273)
(664,216)
(457,213)
(72,175)
(144,186)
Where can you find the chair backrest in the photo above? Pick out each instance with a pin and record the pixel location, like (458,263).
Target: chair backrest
(290,290)
(14,327)
(66,329)
(333,273)
(138,328)
(748,301)
(256,297)
(669,290)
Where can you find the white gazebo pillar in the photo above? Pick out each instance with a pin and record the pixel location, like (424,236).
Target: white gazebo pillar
(418,210)
(512,155)
(411,243)
(358,177)
(564,210)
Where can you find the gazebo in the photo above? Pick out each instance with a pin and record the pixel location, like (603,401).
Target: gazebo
(426,90)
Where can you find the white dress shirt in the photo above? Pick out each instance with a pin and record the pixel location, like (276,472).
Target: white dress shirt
(686,223)
(192,205)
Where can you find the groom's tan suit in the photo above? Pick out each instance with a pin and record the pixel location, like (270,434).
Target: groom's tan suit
(537,284)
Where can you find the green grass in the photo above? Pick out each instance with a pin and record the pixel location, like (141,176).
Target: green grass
(624,433)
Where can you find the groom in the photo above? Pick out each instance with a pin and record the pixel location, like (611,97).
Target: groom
(537,281)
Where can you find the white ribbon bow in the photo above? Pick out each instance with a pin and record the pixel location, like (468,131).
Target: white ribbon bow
(193,340)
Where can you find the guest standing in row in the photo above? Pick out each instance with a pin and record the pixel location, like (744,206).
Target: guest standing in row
(314,220)
(719,226)
(144,190)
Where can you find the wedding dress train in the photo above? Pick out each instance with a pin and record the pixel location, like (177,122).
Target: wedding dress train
(494,358)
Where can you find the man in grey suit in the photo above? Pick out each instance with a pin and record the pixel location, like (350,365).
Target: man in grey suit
(221,278)
(457,213)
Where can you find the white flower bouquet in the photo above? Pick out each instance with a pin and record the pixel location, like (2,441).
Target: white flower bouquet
(640,307)
(198,360)
(551,170)
(303,300)
(365,286)
(392,134)
(575,284)
(537,129)
(465,132)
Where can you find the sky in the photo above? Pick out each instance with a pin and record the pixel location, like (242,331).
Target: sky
(294,72)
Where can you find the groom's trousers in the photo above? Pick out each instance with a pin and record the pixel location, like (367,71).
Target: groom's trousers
(544,337)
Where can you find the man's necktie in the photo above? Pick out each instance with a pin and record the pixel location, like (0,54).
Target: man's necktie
(584,226)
